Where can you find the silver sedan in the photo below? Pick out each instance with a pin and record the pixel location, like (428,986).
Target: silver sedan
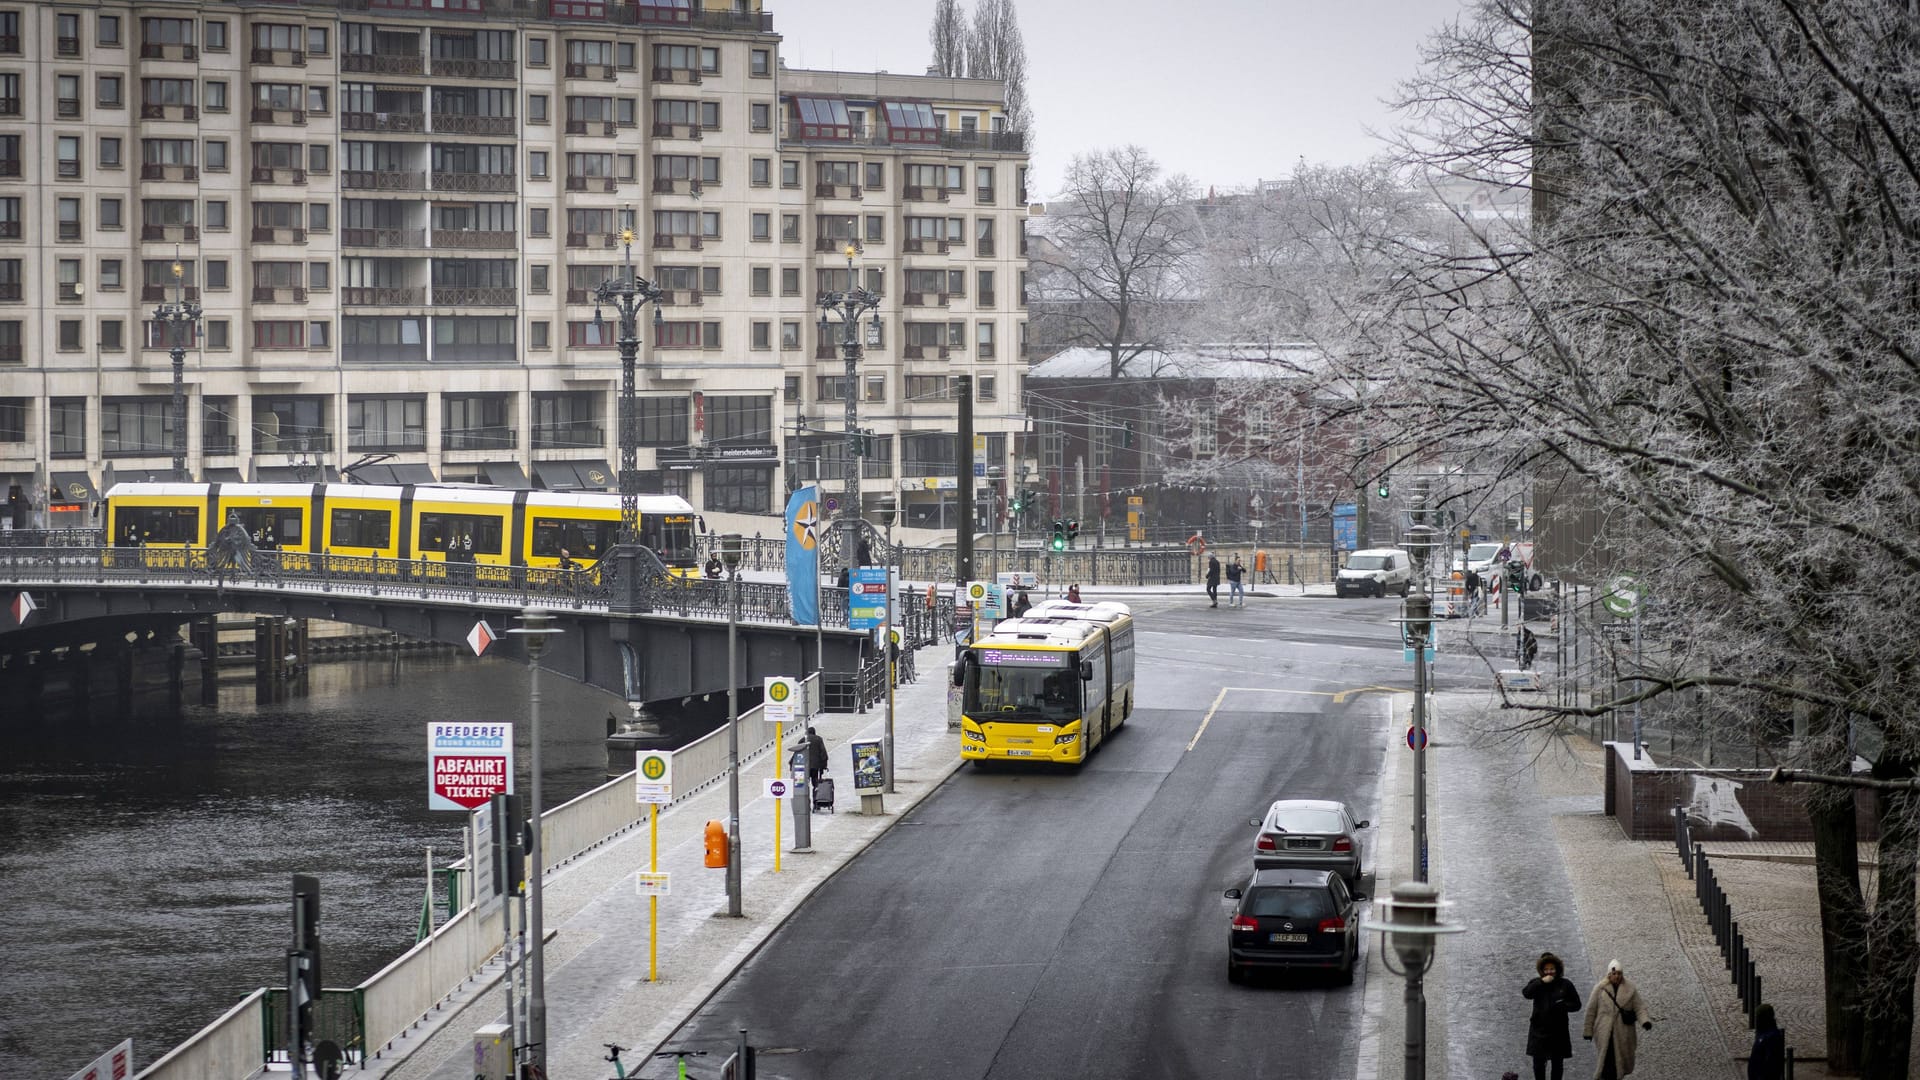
(1310,834)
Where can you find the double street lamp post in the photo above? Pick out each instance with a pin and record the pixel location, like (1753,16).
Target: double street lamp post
(730,553)
(535,624)
(181,316)
(849,306)
(625,293)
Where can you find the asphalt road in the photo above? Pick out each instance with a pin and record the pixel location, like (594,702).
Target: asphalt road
(1025,924)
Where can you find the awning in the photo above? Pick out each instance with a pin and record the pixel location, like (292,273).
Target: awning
(556,475)
(72,487)
(505,474)
(596,475)
(294,474)
(222,476)
(406,472)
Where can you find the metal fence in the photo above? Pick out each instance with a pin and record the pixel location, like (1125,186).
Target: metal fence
(1719,913)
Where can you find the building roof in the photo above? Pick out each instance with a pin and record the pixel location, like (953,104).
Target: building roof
(1280,361)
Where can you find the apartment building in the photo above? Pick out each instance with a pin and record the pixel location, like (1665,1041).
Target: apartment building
(394,214)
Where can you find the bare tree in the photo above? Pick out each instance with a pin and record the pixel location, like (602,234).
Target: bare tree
(1111,257)
(1713,331)
(996,50)
(948,36)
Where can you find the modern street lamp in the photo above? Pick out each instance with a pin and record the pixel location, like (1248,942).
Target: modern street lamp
(1417,623)
(730,551)
(1409,934)
(179,316)
(849,306)
(535,624)
(626,292)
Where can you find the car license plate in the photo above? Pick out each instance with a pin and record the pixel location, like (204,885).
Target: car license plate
(1288,939)
(1303,843)
(1019,753)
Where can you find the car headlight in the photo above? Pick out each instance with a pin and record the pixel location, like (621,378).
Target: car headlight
(975,736)
(1062,740)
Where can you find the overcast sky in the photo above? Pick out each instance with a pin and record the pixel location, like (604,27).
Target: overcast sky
(1228,92)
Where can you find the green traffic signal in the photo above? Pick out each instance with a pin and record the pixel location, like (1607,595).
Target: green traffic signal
(1059,542)
(1383,487)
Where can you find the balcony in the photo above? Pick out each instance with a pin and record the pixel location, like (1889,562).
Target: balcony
(917,193)
(14,354)
(607,240)
(663,130)
(156,233)
(266,174)
(667,185)
(927,299)
(219,445)
(67,292)
(383,238)
(985,299)
(568,436)
(684,76)
(263,114)
(473,181)
(9,167)
(606,128)
(1003,142)
(464,124)
(917,246)
(384,354)
(281,57)
(984,249)
(10,44)
(794,133)
(269,234)
(155,111)
(154,294)
(70,230)
(383,63)
(475,240)
(269,294)
(9,230)
(825,350)
(473,296)
(388,123)
(169,172)
(592,183)
(471,68)
(983,197)
(836,191)
(491,438)
(382,296)
(10,106)
(155,50)
(360,439)
(11,291)
(603,72)
(66,46)
(383,180)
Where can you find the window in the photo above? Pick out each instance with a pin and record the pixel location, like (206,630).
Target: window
(626,56)
(739,418)
(67,35)
(790,388)
(316,41)
(829,388)
(217,214)
(762,226)
(107,31)
(217,155)
(761,335)
(110,154)
(113,335)
(760,116)
(760,172)
(319,276)
(789,334)
(536,108)
(789,281)
(760,63)
(217,274)
(789,228)
(537,221)
(215,95)
(662,421)
(537,276)
(109,92)
(760,281)
(876,176)
(279,334)
(135,426)
(66,417)
(216,35)
(876,388)
(537,52)
(112,214)
(984,387)
(537,164)
(789,173)
(538,335)
(739,490)
(67,215)
(710,61)
(66,149)
(984,337)
(317,334)
(67,91)
(317,99)
(983,183)
(319,217)
(71,337)
(218,335)
(111,271)
(319,158)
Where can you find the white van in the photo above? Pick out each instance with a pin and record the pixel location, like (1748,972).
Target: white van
(1375,572)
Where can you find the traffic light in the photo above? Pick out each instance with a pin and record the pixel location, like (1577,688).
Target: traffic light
(1073,531)
(1018,502)
(1059,536)
(1383,486)
(716,844)
(1126,436)
(859,442)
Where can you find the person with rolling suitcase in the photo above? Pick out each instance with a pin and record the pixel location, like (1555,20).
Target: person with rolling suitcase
(817,780)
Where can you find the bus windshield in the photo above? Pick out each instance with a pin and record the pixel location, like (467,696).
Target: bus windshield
(1038,687)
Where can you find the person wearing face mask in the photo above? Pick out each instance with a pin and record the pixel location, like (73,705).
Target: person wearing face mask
(1554,999)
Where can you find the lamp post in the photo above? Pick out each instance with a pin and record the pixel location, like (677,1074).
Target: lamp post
(730,551)
(178,317)
(1409,934)
(535,624)
(625,292)
(849,305)
(1417,621)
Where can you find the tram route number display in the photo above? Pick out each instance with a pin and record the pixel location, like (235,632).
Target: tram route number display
(467,764)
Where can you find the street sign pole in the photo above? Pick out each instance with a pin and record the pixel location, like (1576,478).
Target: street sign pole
(653,902)
(886,651)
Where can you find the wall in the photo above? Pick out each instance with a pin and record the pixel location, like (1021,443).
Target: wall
(1722,804)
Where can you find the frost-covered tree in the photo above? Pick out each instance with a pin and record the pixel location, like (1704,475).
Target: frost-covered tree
(948,36)
(996,50)
(1111,259)
(1713,335)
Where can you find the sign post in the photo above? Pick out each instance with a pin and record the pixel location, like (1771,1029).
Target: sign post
(653,785)
(467,764)
(777,706)
(777,789)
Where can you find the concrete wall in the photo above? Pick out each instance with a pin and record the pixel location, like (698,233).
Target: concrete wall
(228,1048)
(1722,804)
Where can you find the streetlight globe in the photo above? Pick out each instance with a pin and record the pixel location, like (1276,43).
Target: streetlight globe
(851,252)
(1412,926)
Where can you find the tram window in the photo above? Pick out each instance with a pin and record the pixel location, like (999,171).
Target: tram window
(582,539)
(437,529)
(159,524)
(361,528)
(270,526)
(670,537)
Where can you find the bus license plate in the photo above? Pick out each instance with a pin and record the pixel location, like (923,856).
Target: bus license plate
(1019,753)
(1287,939)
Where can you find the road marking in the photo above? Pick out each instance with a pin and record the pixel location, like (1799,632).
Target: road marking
(1208,719)
(1343,696)
(1339,696)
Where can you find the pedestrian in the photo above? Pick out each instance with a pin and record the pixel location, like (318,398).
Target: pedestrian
(1613,1008)
(1472,581)
(1554,999)
(1073,594)
(1213,579)
(566,560)
(1529,648)
(1020,606)
(1768,1061)
(816,757)
(1236,596)
(713,568)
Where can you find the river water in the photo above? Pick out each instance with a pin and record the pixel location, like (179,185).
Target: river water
(146,860)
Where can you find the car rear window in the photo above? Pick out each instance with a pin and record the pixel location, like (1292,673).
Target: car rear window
(1303,902)
(1306,821)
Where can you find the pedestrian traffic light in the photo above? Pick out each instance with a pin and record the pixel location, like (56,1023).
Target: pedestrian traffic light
(1059,542)
(1017,503)
(1073,531)
(1383,486)
(716,844)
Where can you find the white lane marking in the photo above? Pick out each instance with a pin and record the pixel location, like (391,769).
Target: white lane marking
(1222,696)
(1208,719)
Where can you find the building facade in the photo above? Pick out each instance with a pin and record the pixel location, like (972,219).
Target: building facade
(394,214)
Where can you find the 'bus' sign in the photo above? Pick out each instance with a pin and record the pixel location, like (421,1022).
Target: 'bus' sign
(467,764)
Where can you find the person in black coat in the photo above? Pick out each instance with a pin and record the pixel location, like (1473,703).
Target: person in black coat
(1769,1058)
(1213,580)
(1554,999)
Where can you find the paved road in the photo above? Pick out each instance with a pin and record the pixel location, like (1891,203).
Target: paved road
(970,941)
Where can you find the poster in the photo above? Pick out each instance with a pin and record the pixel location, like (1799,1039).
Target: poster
(467,763)
(868,772)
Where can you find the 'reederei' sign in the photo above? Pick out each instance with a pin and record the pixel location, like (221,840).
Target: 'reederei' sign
(467,764)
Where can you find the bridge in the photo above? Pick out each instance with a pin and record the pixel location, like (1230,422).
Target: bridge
(626,626)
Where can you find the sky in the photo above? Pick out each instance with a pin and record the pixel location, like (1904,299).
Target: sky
(1228,92)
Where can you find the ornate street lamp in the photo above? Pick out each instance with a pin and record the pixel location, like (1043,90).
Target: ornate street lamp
(179,316)
(536,624)
(625,292)
(849,306)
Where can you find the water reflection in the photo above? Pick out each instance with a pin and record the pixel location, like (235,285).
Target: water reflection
(146,860)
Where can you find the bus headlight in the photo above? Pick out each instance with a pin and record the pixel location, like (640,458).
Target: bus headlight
(1062,740)
(975,736)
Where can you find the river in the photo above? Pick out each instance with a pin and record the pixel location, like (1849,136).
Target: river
(146,860)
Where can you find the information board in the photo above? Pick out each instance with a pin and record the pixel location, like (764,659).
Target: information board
(467,764)
(867,597)
(868,772)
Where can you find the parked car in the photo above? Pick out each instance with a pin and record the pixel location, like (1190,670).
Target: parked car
(1287,919)
(1310,834)
(1375,572)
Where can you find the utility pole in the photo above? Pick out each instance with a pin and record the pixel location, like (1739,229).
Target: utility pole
(1079,489)
(1362,494)
(963,459)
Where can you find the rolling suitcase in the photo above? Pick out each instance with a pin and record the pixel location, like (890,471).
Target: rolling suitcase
(823,794)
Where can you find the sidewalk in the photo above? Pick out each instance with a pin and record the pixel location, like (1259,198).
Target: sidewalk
(596,953)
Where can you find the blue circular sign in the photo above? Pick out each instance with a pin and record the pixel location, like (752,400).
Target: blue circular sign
(1416,738)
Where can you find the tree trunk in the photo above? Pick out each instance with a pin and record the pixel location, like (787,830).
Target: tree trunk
(1887,1041)
(1836,853)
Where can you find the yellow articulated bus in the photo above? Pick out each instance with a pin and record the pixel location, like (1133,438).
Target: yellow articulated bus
(346,525)
(1049,686)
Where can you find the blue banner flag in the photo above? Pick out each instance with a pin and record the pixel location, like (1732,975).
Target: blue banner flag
(803,556)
